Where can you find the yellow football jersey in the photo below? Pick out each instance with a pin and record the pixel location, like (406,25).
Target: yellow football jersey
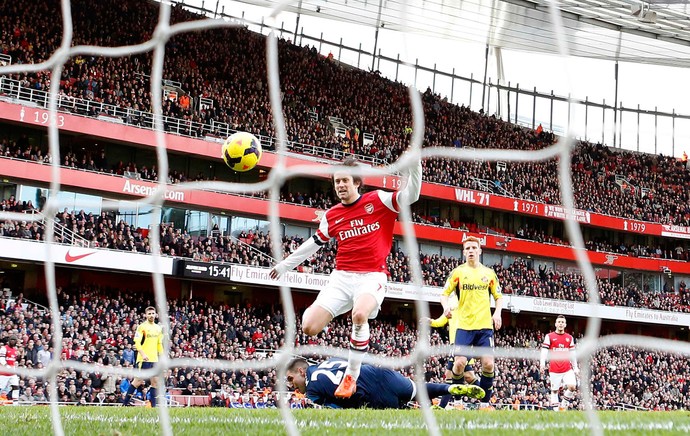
(474,288)
(149,339)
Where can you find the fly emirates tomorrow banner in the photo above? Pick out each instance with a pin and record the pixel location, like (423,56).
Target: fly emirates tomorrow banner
(403,291)
(113,260)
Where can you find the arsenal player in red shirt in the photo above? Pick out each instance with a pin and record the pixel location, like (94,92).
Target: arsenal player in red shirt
(362,224)
(563,365)
(9,383)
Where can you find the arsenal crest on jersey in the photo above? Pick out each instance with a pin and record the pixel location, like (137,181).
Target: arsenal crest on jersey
(369,208)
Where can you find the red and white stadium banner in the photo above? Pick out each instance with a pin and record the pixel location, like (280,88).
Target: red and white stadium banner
(211,149)
(541,210)
(30,171)
(122,187)
(66,255)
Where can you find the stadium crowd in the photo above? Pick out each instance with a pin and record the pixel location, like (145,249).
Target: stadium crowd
(653,188)
(98,326)
(98,323)
(320,199)
(254,248)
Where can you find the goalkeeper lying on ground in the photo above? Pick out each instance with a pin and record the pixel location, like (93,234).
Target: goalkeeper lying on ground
(377,388)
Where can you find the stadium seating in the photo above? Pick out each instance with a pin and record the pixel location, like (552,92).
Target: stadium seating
(254,249)
(651,181)
(624,376)
(657,190)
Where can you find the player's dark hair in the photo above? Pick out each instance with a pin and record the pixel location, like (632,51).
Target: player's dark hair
(297,362)
(347,164)
(150,308)
(560,316)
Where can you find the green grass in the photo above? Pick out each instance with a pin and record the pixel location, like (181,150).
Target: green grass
(207,422)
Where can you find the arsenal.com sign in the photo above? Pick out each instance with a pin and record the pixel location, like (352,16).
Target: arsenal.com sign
(145,190)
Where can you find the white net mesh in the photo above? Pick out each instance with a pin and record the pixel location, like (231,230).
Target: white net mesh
(277,177)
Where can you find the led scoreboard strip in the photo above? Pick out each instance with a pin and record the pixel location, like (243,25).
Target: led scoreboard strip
(203,270)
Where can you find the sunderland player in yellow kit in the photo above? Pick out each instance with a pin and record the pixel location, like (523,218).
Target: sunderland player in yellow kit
(474,284)
(469,374)
(148,341)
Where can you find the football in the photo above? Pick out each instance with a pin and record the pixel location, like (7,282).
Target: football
(241,151)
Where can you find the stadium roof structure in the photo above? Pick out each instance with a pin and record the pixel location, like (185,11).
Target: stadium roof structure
(654,32)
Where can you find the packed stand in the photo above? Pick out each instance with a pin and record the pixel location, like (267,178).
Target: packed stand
(545,282)
(99,323)
(98,162)
(669,248)
(254,249)
(98,327)
(312,82)
(20,149)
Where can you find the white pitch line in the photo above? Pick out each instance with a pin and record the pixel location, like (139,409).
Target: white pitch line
(460,424)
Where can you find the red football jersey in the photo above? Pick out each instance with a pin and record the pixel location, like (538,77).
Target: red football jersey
(562,344)
(363,229)
(10,355)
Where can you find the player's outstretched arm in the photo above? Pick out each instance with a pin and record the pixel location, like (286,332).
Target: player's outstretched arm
(410,193)
(307,249)
(159,345)
(436,323)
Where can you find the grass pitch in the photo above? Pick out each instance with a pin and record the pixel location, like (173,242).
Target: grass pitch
(207,422)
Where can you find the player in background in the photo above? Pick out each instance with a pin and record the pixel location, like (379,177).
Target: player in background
(9,383)
(148,341)
(363,226)
(563,364)
(377,388)
(474,284)
(469,375)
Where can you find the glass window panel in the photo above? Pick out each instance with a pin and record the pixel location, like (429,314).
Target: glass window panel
(37,196)
(127,212)
(197,223)
(88,203)
(647,142)
(174,216)
(144,216)
(664,135)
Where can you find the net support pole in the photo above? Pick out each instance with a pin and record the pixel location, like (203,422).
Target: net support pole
(486,71)
(379,25)
(615,103)
(299,15)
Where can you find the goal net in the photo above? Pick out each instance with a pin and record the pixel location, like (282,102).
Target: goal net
(280,173)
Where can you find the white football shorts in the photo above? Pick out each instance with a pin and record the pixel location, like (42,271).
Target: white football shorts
(559,379)
(344,288)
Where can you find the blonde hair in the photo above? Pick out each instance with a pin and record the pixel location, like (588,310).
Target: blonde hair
(472,239)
